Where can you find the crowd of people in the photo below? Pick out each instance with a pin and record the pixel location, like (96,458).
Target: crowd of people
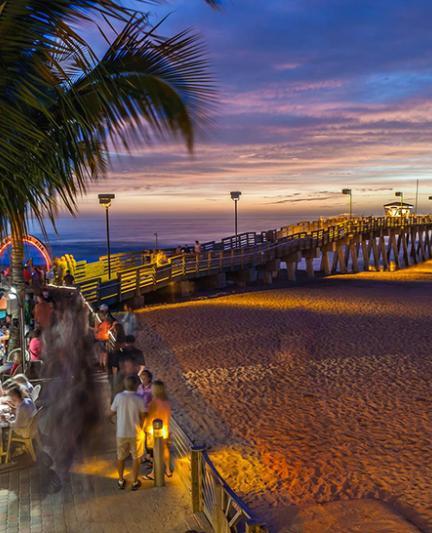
(37,276)
(137,399)
(38,312)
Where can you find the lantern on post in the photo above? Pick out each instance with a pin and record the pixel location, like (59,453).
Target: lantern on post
(158,453)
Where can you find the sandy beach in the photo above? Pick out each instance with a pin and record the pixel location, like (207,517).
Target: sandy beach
(315,399)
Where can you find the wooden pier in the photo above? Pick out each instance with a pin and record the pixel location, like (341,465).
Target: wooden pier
(324,247)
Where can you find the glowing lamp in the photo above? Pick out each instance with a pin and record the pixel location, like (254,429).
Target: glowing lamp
(158,428)
(105,199)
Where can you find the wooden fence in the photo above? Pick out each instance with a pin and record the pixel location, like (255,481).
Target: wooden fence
(213,500)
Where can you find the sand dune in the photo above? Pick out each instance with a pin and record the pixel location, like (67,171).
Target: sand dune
(311,395)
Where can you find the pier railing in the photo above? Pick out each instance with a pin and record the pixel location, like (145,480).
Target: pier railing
(213,500)
(247,249)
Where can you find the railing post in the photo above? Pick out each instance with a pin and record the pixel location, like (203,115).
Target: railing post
(119,287)
(220,521)
(197,472)
(138,283)
(98,291)
(158,453)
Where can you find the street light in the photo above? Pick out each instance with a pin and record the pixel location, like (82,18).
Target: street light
(105,201)
(235,195)
(400,194)
(349,192)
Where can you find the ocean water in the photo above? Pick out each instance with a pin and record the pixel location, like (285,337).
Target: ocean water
(85,236)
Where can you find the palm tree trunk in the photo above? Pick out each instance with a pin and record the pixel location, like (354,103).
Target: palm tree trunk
(17,275)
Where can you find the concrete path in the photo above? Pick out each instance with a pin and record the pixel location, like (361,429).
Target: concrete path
(90,501)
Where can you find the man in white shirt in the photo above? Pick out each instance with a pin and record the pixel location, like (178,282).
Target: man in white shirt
(130,410)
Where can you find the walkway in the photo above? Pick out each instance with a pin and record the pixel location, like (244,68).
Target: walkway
(90,501)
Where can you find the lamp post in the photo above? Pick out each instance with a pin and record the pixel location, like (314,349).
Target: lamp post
(349,192)
(235,195)
(105,201)
(156,240)
(400,195)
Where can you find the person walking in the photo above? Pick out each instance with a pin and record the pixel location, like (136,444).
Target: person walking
(197,248)
(129,321)
(130,410)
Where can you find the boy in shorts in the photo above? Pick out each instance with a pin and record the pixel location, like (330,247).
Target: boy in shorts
(130,410)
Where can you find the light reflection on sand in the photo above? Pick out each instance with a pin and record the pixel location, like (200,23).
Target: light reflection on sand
(311,394)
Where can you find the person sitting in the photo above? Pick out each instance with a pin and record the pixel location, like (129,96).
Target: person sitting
(24,410)
(130,411)
(160,408)
(145,388)
(35,345)
(4,339)
(23,382)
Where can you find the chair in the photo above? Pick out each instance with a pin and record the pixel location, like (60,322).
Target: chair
(35,392)
(26,437)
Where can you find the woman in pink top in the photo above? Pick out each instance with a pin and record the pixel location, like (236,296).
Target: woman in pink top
(35,345)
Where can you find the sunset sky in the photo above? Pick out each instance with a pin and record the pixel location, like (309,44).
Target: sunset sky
(314,95)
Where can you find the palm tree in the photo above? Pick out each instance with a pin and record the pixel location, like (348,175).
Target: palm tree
(62,106)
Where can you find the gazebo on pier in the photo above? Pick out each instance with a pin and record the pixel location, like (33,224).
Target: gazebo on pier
(398,209)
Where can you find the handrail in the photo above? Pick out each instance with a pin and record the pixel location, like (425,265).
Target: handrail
(213,500)
(250,248)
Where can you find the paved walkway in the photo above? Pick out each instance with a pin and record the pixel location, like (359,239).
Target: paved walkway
(90,501)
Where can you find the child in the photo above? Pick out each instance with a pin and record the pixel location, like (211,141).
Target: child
(130,410)
(145,388)
(160,408)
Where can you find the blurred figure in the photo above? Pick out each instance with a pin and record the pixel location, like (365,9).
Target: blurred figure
(115,344)
(43,312)
(129,321)
(197,248)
